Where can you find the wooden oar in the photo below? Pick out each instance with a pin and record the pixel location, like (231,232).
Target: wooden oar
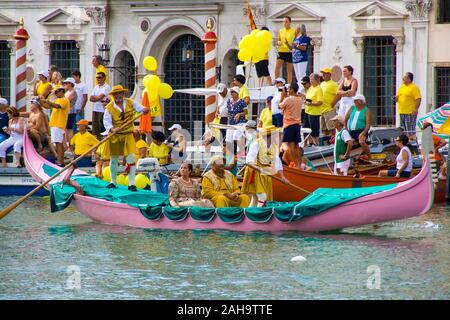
(279,179)
(11,207)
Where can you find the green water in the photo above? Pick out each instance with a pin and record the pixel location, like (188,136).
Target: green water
(37,250)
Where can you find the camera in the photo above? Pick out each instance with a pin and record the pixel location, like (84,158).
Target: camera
(308,101)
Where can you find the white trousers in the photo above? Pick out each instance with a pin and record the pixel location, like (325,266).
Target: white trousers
(300,70)
(16,141)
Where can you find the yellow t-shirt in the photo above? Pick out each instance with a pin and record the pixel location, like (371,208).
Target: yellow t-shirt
(266,117)
(160,152)
(41,88)
(286,34)
(139,145)
(243,92)
(60,115)
(407,96)
(83,142)
(316,95)
(329,90)
(101,68)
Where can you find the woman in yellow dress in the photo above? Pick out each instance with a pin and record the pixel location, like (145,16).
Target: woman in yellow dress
(263,154)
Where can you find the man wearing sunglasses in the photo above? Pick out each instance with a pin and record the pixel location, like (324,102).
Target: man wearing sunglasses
(100,98)
(119,111)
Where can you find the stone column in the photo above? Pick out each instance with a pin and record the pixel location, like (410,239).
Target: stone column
(419,10)
(12,80)
(399,41)
(358,65)
(317,43)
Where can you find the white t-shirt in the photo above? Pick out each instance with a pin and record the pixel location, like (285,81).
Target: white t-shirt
(399,159)
(274,105)
(81,90)
(98,106)
(222,105)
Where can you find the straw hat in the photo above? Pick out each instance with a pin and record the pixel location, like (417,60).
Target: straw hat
(216,158)
(117,89)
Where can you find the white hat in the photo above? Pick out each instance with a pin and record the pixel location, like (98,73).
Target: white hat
(4,101)
(359,97)
(216,158)
(235,89)
(44,73)
(280,80)
(338,118)
(221,87)
(70,80)
(175,126)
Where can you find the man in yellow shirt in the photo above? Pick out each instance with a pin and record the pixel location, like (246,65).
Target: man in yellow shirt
(97,62)
(265,117)
(408,99)
(221,186)
(285,38)
(81,142)
(141,146)
(329,90)
(313,109)
(58,120)
(158,149)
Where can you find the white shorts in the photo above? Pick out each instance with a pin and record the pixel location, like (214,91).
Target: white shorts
(344,166)
(235,135)
(57,134)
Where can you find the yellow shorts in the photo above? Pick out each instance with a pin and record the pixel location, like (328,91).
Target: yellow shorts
(120,145)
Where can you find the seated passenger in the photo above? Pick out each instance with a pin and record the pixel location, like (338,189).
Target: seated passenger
(15,130)
(101,162)
(186,192)
(81,142)
(290,161)
(141,146)
(221,187)
(357,121)
(404,160)
(158,149)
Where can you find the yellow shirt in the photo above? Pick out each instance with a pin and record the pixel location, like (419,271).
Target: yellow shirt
(266,117)
(41,88)
(316,95)
(407,96)
(160,152)
(60,115)
(243,92)
(101,68)
(329,90)
(83,142)
(286,34)
(139,145)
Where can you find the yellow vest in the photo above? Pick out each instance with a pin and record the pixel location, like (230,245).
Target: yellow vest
(266,157)
(117,119)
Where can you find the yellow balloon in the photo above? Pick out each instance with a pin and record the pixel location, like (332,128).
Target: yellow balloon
(146,80)
(141,181)
(264,38)
(121,179)
(106,173)
(153,83)
(150,63)
(254,32)
(165,91)
(244,55)
(247,42)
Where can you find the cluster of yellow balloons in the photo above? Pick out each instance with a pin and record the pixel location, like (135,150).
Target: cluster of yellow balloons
(255,46)
(153,84)
(141,180)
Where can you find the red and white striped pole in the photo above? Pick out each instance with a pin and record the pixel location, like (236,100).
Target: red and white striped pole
(210,40)
(21,36)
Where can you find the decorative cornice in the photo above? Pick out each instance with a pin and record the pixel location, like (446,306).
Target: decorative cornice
(419,9)
(176,10)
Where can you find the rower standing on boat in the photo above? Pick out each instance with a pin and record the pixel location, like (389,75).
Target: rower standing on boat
(263,153)
(119,111)
(342,146)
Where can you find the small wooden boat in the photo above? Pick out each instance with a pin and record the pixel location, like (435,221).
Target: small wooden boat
(376,206)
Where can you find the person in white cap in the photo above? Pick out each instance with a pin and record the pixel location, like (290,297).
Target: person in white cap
(71,95)
(277,116)
(222,110)
(4,119)
(358,120)
(177,143)
(236,113)
(43,87)
(342,147)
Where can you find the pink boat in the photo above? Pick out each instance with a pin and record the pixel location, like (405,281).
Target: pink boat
(407,199)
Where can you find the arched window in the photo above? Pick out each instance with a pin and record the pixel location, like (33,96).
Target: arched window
(184,67)
(5,70)
(124,71)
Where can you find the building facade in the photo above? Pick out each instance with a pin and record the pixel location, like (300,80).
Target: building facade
(381,39)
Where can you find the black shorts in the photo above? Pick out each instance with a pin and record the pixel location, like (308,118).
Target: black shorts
(262,68)
(71,120)
(312,122)
(292,133)
(286,56)
(355,134)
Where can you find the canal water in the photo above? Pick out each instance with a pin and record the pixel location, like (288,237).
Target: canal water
(64,255)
